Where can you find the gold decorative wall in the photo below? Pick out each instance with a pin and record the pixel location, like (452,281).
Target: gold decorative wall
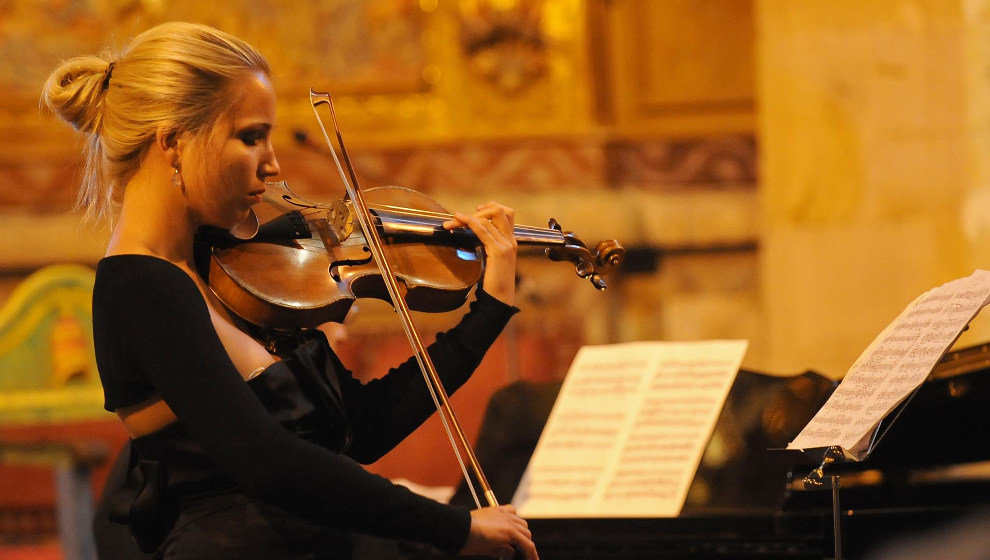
(404,72)
(627,119)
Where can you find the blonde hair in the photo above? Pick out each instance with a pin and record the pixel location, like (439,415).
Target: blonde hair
(175,74)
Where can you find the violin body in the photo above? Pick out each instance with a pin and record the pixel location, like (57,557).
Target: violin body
(309,261)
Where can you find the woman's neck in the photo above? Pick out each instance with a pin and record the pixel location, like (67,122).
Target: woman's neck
(153,218)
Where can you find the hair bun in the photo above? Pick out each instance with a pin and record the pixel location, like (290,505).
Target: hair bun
(74,92)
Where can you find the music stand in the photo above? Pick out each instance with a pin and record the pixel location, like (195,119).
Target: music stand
(834,455)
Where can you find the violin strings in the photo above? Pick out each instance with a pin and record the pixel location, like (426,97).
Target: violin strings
(532,231)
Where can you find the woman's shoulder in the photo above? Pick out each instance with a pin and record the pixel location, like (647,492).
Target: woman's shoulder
(141,274)
(129,265)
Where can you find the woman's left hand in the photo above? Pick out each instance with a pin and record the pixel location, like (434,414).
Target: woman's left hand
(493,224)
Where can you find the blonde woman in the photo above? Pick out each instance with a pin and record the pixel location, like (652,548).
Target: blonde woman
(235,452)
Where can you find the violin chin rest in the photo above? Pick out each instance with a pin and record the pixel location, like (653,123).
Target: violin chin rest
(248,227)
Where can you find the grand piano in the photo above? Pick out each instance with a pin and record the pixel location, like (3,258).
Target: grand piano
(749,499)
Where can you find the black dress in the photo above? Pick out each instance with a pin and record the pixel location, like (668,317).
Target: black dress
(268,468)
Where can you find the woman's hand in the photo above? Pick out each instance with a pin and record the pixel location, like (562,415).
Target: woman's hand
(500,533)
(493,224)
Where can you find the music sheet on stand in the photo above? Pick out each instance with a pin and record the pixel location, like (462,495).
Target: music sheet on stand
(628,429)
(894,365)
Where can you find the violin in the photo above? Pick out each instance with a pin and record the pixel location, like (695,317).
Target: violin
(299,263)
(306,262)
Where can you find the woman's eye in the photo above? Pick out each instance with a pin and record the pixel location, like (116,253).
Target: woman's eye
(250,138)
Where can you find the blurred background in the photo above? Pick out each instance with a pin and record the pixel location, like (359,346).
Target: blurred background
(790,173)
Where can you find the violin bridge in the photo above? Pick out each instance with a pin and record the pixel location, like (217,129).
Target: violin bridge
(328,234)
(341,219)
(336,226)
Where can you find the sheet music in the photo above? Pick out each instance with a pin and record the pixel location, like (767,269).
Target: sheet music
(628,429)
(894,364)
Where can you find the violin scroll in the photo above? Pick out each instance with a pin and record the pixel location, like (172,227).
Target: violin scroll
(587,264)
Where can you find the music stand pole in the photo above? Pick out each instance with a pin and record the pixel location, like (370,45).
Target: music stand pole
(836,518)
(833,455)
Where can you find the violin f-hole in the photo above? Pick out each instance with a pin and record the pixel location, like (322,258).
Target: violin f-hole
(335,267)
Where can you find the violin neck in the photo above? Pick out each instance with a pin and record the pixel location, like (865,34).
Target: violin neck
(528,235)
(402,223)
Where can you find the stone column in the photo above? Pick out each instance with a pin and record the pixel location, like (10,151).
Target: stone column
(873,128)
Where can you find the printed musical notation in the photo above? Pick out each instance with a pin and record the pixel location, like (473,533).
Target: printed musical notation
(894,365)
(628,429)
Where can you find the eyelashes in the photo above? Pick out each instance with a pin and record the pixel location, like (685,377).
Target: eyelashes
(251,138)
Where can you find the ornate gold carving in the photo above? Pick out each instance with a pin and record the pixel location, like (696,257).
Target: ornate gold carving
(505,46)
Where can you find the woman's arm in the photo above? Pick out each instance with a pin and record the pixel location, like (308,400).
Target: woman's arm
(385,411)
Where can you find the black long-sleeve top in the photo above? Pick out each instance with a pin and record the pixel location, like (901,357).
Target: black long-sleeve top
(153,336)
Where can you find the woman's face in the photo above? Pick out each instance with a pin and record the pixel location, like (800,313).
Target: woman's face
(231,174)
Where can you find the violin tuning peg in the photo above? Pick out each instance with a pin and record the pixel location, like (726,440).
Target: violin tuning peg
(598,282)
(584,269)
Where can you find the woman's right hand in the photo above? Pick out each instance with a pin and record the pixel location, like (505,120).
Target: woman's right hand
(500,533)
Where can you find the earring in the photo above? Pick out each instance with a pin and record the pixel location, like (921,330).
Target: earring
(176,177)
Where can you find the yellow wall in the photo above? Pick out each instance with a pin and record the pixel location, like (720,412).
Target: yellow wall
(872,127)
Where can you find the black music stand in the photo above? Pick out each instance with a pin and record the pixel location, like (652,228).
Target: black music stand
(836,455)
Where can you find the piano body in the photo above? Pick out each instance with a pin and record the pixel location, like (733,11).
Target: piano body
(931,467)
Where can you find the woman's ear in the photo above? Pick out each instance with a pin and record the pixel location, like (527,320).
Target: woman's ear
(167,140)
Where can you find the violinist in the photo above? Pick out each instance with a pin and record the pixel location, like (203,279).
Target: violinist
(237,452)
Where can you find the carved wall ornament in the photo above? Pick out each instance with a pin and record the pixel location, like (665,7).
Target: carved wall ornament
(726,160)
(505,47)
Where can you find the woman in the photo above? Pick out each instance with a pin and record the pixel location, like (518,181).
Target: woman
(235,452)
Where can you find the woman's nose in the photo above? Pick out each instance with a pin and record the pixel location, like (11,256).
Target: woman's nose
(269,167)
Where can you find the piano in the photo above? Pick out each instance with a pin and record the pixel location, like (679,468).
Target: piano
(748,499)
